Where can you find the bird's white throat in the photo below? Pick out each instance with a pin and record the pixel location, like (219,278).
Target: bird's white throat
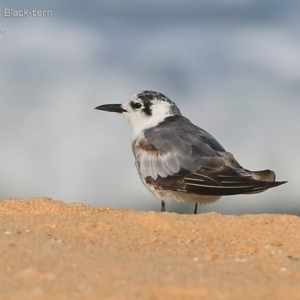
(140,121)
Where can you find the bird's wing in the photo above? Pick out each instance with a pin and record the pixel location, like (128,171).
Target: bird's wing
(177,155)
(221,182)
(176,144)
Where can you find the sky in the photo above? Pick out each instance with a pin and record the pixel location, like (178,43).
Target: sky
(233,68)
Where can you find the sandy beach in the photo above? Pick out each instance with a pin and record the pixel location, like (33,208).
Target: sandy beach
(53,250)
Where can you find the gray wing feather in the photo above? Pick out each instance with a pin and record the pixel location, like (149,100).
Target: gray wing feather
(153,166)
(180,145)
(179,156)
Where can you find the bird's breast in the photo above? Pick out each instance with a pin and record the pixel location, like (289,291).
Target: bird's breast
(142,146)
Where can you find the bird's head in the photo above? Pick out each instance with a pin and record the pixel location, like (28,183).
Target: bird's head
(144,110)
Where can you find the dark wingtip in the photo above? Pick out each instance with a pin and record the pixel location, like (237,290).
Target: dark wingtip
(280,182)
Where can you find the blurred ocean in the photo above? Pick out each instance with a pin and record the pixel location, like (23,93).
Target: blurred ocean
(232,67)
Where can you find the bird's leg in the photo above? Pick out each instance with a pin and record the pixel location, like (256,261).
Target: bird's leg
(196,207)
(163,206)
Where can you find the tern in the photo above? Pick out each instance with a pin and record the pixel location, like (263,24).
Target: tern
(177,160)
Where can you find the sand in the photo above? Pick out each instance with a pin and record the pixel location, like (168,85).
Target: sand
(53,250)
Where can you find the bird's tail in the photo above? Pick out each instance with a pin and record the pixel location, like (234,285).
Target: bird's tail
(265,176)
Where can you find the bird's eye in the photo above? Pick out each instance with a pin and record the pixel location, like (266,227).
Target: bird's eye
(136,105)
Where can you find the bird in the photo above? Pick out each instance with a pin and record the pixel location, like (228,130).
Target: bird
(177,160)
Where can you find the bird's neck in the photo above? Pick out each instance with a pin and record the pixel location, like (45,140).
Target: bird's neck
(138,129)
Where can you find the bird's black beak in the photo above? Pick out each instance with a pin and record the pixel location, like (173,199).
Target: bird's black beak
(112,107)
